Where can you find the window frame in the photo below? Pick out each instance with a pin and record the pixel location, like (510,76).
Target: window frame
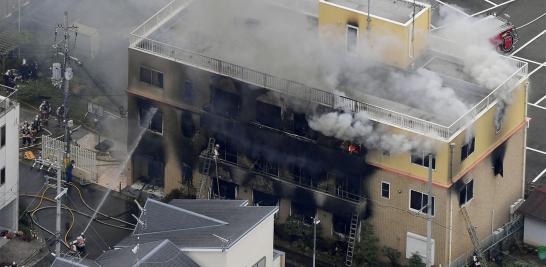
(470,147)
(148,127)
(465,188)
(423,157)
(160,82)
(355,47)
(422,207)
(262,260)
(187,94)
(3,136)
(388,192)
(2,176)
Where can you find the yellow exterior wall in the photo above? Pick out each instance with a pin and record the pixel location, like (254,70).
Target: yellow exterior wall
(389,39)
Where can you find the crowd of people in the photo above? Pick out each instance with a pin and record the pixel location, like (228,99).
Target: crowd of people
(31,130)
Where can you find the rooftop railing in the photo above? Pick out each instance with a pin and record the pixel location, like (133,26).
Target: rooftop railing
(7,99)
(139,40)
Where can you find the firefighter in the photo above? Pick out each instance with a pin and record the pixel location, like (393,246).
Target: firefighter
(45,109)
(25,132)
(78,245)
(60,115)
(475,260)
(69,169)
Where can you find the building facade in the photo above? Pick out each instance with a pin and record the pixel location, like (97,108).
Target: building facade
(227,130)
(9,161)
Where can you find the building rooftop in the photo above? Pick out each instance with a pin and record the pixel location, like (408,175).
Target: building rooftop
(394,10)
(147,254)
(197,224)
(535,205)
(277,46)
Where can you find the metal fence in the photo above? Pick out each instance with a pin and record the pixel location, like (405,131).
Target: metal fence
(139,40)
(503,234)
(85,159)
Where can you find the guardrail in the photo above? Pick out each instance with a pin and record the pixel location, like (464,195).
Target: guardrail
(139,41)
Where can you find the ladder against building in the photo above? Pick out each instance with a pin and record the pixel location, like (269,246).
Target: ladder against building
(205,185)
(351,240)
(473,236)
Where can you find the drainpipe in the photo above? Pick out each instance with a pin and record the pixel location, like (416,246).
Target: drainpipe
(525,140)
(450,228)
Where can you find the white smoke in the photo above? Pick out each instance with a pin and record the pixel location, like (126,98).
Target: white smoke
(358,128)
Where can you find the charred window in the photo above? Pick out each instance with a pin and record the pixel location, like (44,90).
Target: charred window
(264,199)
(267,166)
(225,103)
(156,172)
(303,176)
(467,149)
(303,213)
(187,94)
(419,201)
(466,193)
(301,126)
(227,148)
(3,176)
(187,125)
(227,190)
(341,224)
(151,77)
(3,136)
(269,115)
(150,117)
(423,160)
(498,159)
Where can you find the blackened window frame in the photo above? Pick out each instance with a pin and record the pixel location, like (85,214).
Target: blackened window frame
(151,76)
(3,136)
(422,160)
(468,148)
(3,176)
(466,193)
(157,118)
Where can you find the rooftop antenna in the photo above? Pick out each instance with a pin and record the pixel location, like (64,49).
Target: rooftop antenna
(225,241)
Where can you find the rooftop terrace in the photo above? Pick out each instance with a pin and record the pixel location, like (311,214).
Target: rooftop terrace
(275,47)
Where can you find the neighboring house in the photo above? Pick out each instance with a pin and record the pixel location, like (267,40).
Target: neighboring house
(237,75)
(157,253)
(534,212)
(9,161)
(192,233)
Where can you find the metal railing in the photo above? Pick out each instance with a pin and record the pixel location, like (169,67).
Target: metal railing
(139,40)
(500,235)
(8,102)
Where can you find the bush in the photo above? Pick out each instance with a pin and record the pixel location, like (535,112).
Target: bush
(416,261)
(392,254)
(366,251)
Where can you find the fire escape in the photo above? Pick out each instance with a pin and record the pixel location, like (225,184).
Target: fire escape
(205,186)
(473,236)
(351,240)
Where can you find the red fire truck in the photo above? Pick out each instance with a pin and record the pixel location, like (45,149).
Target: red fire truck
(507,35)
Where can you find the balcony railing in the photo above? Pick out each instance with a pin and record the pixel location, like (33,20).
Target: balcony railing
(326,189)
(139,40)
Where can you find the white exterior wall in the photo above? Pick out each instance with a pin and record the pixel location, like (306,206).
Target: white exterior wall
(247,251)
(534,232)
(9,159)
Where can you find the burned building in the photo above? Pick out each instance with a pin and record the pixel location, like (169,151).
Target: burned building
(328,111)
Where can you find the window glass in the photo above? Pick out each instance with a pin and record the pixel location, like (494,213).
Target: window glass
(352,38)
(418,202)
(3,136)
(187,95)
(466,193)
(385,190)
(467,149)
(145,75)
(3,176)
(422,159)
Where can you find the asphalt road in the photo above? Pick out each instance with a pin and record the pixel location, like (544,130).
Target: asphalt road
(530,18)
(99,237)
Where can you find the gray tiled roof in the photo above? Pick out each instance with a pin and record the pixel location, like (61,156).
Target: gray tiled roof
(197,224)
(158,253)
(73,262)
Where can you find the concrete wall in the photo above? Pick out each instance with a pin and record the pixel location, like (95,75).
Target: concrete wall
(9,159)
(534,232)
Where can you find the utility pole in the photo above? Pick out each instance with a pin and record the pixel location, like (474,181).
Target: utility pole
(315,222)
(61,75)
(429,213)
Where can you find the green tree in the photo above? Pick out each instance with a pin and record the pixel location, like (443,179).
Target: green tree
(367,250)
(392,254)
(416,260)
